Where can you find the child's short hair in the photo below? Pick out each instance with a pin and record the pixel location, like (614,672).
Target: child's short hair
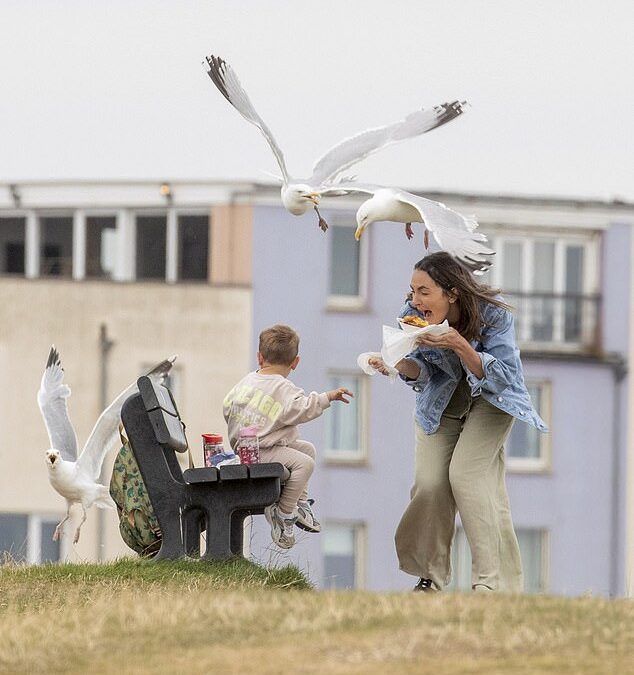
(279,345)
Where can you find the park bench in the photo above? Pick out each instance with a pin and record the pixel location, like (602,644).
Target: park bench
(189,502)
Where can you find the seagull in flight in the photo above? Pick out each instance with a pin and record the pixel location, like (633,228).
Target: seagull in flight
(456,234)
(75,477)
(298,195)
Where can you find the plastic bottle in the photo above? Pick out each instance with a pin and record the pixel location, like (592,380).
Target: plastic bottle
(212,445)
(248,446)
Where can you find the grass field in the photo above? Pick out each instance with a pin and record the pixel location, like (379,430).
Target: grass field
(139,617)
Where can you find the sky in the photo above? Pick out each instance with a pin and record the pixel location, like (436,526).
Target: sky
(114,89)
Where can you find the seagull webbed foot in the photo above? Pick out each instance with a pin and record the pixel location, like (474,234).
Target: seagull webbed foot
(323,225)
(409,233)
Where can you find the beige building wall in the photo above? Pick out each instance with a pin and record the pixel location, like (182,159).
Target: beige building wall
(208,327)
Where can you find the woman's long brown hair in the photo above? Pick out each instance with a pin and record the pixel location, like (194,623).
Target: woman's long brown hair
(455,278)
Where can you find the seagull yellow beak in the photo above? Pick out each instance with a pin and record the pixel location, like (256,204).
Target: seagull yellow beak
(359,232)
(314,197)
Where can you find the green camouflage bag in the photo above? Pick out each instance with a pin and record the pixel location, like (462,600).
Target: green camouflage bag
(138,524)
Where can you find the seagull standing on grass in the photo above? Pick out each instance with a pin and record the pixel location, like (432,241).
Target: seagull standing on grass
(298,195)
(454,232)
(73,477)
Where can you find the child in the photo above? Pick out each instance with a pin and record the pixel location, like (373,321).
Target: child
(268,400)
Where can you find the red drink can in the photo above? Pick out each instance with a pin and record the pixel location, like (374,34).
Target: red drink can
(212,445)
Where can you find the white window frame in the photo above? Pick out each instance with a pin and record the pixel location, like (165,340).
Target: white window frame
(360,550)
(351,303)
(361,454)
(543,463)
(560,238)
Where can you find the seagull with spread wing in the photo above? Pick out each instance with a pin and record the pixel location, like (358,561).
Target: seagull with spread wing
(75,477)
(298,195)
(456,234)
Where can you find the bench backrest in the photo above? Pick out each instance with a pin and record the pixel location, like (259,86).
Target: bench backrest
(163,414)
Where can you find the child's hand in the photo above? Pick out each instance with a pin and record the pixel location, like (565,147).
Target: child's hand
(340,394)
(378,364)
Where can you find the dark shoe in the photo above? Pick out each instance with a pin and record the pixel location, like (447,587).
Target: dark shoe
(425,585)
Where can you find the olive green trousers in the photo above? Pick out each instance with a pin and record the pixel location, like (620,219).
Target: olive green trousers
(461,467)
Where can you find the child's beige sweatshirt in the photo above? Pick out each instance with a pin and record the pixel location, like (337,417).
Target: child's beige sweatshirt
(274,405)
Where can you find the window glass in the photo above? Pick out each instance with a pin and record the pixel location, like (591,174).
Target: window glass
(512,266)
(193,247)
(50,550)
(525,440)
(344,262)
(339,549)
(531,545)
(56,246)
(574,289)
(543,313)
(13,536)
(101,246)
(343,436)
(151,232)
(12,239)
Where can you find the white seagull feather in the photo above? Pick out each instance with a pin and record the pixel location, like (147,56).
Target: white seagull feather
(456,234)
(75,477)
(300,194)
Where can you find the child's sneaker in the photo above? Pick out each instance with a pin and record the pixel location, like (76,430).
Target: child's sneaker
(306,518)
(281,528)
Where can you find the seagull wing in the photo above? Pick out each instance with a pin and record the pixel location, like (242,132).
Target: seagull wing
(105,434)
(454,232)
(347,187)
(358,147)
(51,398)
(227,82)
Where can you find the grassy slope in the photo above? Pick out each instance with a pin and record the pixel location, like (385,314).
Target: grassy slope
(139,617)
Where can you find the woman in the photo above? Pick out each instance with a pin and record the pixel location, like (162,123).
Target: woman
(469,390)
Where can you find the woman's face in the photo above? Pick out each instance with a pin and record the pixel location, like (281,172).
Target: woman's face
(430,300)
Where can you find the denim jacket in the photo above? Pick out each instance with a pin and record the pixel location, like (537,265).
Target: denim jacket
(503,382)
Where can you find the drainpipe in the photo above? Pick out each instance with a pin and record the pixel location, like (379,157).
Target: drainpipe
(105,345)
(620,371)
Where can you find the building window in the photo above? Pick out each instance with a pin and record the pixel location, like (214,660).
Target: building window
(56,246)
(348,269)
(101,246)
(533,551)
(346,439)
(28,538)
(527,449)
(344,555)
(552,284)
(193,247)
(151,246)
(12,245)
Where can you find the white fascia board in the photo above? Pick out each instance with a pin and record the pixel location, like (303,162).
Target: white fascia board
(521,215)
(121,194)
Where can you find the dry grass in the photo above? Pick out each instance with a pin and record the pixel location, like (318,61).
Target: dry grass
(190,619)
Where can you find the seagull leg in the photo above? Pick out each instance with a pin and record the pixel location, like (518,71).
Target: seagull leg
(322,223)
(59,529)
(409,233)
(426,239)
(83,520)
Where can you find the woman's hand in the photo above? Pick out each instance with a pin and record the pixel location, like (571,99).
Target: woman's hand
(449,340)
(377,363)
(454,341)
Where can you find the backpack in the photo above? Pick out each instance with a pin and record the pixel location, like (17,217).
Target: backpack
(138,524)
